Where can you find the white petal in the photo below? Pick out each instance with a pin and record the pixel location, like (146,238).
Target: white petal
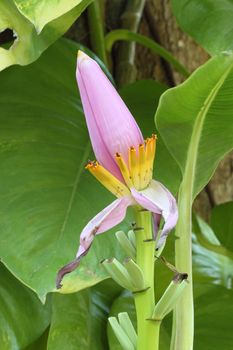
(106,219)
(157,199)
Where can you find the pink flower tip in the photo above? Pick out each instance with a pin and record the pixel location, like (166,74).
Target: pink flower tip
(111,126)
(81,56)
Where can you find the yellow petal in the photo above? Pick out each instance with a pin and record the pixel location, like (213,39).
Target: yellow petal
(107,179)
(134,167)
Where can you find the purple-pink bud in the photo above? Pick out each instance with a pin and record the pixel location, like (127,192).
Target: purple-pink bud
(111,126)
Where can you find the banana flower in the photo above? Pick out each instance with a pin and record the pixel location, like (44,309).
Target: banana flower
(124,161)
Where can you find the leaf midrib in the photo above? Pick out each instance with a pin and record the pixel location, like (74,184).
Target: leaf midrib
(74,190)
(192,154)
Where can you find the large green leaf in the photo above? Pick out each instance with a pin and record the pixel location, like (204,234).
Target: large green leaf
(41,12)
(79,320)
(46,195)
(209,22)
(222,223)
(40,343)
(22,316)
(30,43)
(212,262)
(213,320)
(195,120)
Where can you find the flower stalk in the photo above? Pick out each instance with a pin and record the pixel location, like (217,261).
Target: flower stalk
(183,317)
(148,330)
(130,19)
(97,30)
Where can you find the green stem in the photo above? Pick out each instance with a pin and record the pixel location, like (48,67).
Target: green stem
(125,68)
(183,314)
(96,30)
(121,34)
(148,330)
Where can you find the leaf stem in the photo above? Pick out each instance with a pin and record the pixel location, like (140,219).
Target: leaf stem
(96,30)
(127,35)
(183,328)
(183,317)
(125,68)
(148,330)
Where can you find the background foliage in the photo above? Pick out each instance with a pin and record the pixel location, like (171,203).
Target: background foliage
(47,197)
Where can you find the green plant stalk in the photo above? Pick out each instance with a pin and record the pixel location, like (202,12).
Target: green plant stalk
(125,68)
(95,22)
(148,330)
(127,35)
(183,317)
(183,323)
